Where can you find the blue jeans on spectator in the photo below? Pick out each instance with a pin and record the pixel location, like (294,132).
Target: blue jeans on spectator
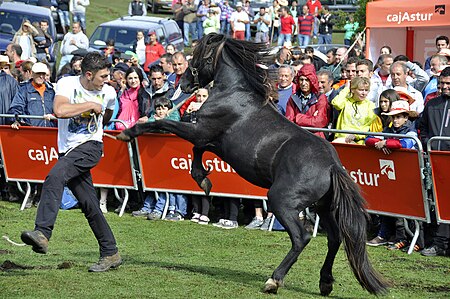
(303,39)
(192,29)
(248,33)
(324,39)
(199,29)
(224,27)
(316,26)
(64,16)
(347,42)
(180,201)
(80,17)
(282,38)
(64,60)
(150,204)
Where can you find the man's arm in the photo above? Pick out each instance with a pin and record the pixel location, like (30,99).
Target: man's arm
(64,109)
(107,116)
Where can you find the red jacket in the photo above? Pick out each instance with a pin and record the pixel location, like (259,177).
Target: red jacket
(152,53)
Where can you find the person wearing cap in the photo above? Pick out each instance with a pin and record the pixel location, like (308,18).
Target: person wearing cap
(35,97)
(72,41)
(211,24)
(238,20)
(153,51)
(24,37)
(306,107)
(9,86)
(435,122)
(83,104)
(401,116)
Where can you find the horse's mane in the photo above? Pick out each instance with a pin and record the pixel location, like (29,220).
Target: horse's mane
(247,56)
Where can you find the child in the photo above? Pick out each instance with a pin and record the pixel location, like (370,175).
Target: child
(387,97)
(211,23)
(200,204)
(152,210)
(401,124)
(356,111)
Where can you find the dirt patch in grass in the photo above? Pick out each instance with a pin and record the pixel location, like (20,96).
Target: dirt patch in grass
(4,251)
(8,265)
(65,265)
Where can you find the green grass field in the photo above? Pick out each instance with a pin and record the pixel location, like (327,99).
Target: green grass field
(185,260)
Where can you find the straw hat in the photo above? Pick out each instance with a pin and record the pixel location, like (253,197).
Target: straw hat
(404,94)
(5,60)
(400,107)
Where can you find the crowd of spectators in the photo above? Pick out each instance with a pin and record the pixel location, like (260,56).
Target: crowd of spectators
(282,22)
(348,92)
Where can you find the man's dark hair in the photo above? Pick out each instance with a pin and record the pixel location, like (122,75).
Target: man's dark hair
(445,72)
(401,58)
(442,37)
(163,102)
(43,21)
(352,60)
(309,49)
(262,7)
(333,50)
(156,68)
(365,62)
(17,48)
(94,62)
(306,57)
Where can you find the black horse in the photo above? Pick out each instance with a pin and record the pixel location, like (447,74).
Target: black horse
(240,124)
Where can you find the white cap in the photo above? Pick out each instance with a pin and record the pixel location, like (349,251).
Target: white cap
(4,59)
(39,67)
(239,4)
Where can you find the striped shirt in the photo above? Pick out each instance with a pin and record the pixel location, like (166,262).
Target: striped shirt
(305,24)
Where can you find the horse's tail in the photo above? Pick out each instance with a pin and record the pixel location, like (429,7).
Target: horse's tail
(351,217)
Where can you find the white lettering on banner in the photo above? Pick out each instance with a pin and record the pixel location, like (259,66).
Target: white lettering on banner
(180,163)
(409,17)
(43,154)
(363,178)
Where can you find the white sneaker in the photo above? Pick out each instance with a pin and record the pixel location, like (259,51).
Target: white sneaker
(229,224)
(103,208)
(220,223)
(203,220)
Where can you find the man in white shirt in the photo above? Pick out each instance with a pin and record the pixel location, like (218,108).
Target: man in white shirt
(83,104)
(78,10)
(72,41)
(238,20)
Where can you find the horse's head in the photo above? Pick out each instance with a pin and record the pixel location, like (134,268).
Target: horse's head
(201,69)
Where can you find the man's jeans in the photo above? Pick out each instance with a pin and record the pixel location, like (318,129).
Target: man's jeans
(74,170)
(192,29)
(80,17)
(303,39)
(282,38)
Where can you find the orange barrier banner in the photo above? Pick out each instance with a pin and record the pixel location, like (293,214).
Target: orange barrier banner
(440,164)
(28,154)
(165,165)
(391,184)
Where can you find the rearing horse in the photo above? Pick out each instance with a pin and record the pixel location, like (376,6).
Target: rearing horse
(240,125)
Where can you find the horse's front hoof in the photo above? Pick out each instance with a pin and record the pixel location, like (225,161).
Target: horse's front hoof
(325,288)
(206,185)
(123,137)
(271,286)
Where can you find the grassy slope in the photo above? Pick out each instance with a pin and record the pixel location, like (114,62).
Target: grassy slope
(186,260)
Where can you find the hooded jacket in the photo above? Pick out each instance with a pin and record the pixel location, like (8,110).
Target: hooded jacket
(435,121)
(310,111)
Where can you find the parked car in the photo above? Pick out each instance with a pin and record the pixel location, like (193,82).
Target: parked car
(123,32)
(55,15)
(12,15)
(155,6)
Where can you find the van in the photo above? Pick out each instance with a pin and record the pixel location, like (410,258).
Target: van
(123,31)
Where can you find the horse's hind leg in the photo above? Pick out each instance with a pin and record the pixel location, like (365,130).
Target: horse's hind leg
(198,172)
(328,222)
(286,208)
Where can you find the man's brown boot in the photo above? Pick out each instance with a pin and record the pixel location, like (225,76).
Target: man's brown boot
(36,239)
(106,263)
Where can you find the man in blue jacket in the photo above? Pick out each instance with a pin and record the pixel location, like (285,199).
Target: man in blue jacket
(35,97)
